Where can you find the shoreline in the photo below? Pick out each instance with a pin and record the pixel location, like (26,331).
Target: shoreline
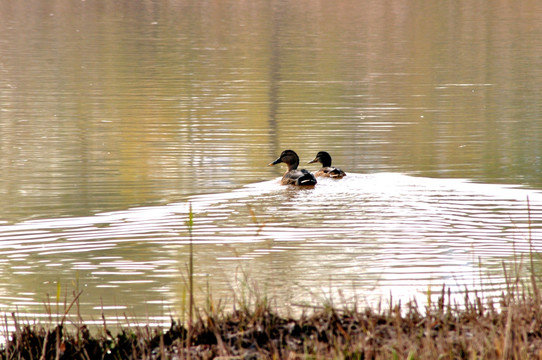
(511,328)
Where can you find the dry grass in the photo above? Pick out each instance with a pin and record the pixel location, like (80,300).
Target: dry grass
(511,329)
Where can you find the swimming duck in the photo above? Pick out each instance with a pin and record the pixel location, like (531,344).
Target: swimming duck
(294,176)
(327,171)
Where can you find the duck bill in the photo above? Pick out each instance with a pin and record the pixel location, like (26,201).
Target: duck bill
(313,161)
(278,161)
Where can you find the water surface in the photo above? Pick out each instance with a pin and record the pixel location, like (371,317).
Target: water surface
(115,116)
(358,239)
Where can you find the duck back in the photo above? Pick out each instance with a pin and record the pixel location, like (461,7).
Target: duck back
(298,177)
(306,179)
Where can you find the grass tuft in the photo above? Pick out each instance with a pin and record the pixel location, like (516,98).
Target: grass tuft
(440,330)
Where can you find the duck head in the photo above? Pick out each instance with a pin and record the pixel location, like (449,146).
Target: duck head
(323,157)
(289,157)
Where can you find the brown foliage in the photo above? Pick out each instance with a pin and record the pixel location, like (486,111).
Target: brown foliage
(442,331)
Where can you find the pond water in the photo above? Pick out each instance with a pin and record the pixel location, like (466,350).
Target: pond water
(115,116)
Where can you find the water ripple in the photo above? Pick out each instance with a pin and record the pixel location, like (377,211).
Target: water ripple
(367,235)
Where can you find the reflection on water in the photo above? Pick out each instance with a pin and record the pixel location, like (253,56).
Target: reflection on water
(356,239)
(110,106)
(114,115)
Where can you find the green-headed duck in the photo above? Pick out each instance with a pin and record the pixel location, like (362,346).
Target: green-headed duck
(326,171)
(294,176)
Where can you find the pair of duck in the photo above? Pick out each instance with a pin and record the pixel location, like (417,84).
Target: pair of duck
(303,177)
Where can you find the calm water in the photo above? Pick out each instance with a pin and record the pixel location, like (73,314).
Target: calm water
(115,115)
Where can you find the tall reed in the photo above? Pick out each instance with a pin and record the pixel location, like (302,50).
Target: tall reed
(190,279)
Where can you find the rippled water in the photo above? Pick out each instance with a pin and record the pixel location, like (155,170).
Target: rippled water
(360,239)
(115,116)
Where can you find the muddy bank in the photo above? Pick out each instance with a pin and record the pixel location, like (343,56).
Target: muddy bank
(469,331)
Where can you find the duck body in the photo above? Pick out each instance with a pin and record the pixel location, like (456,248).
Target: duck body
(330,172)
(298,177)
(327,170)
(294,176)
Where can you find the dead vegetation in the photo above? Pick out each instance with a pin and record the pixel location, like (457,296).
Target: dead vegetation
(511,329)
